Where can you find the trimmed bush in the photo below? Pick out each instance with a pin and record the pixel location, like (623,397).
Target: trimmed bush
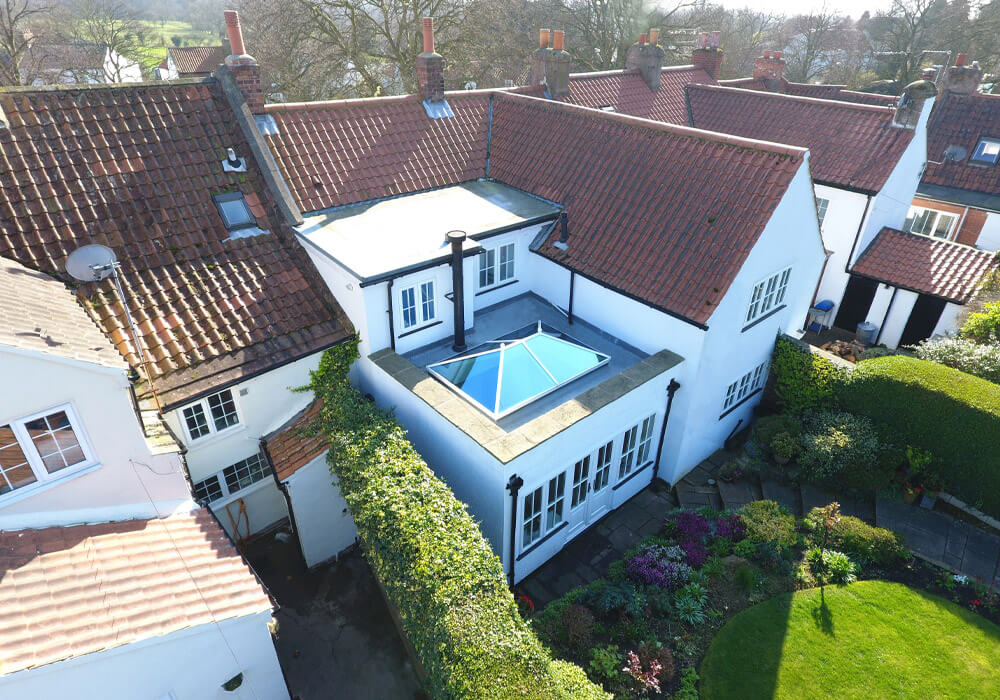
(871,545)
(803,379)
(983,326)
(842,450)
(963,354)
(953,415)
(766,521)
(436,567)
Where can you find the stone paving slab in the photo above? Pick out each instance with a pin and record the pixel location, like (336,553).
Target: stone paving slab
(813,497)
(981,554)
(698,496)
(783,495)
(737,494)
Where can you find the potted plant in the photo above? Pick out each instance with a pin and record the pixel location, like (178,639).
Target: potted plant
(932,486)
(910,493)
(731,473)
(785,447)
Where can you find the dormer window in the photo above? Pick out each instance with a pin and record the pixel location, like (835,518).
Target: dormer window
(987,152)
(235,211)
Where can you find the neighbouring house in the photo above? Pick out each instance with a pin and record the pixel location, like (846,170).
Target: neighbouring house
(549,338)
(191,61)
(230,313)
(77,63)
(111,577)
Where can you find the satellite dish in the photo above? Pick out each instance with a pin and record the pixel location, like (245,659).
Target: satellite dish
(954,154)
(91,263)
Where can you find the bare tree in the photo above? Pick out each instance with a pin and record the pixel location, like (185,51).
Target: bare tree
(813,42)
(109,24)
(17,20)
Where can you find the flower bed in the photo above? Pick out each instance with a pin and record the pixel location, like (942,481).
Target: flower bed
(643,629)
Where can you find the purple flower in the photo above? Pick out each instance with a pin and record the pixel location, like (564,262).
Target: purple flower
(696,552)
(691,526)
(653,570)
(730,526)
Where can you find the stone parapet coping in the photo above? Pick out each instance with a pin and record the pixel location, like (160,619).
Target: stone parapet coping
(503,445)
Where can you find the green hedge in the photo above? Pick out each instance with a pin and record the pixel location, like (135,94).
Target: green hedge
(953,415)
(802,379)
(438,570)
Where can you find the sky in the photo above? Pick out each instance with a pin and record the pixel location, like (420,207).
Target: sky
(854,8)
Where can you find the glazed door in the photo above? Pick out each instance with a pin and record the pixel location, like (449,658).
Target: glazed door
(600,495)
(579,495)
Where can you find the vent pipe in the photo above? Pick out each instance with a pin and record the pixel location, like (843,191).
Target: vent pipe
(457,238)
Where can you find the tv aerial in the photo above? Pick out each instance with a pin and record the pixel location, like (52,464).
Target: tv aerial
(96,262)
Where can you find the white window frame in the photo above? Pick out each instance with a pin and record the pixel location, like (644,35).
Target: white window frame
(645,440)
(536,497)
(768,294)
(31,454)
(228,494)
(490,261)
(745,386)
(979,152)
(419,304)
(209,418)
(822,207)
(916,212)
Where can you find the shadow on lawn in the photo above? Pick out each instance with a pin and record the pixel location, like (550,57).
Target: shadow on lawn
(822,615)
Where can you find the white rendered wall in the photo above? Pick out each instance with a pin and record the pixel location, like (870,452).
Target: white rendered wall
(129,483)
(949,321)
(898,316)
(192,664)
(880,304)
(840,226)
(989,237)
(325,526)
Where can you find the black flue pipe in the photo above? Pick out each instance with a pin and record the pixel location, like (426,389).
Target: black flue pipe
(513,486)
(456,238)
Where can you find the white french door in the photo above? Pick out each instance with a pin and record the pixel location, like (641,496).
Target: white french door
(590,496)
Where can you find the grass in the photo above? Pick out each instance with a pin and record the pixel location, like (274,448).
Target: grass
(159,35)
(872,639)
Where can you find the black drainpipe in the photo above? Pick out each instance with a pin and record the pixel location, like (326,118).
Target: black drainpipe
(572,285)
(885,318)
(514,485)
(857,236)
(392,331)
(456,238)
(671,390)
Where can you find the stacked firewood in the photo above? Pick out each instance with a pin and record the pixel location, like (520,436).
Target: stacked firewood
(850,351)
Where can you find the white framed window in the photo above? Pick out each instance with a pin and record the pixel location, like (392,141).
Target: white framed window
(233,479)
(418,304)
(581,475)
(602,470)
(645,440)
(532,517)
(768,294)
(496,265)
(543,510)
(930,222)
(212,414)
(987,151)
(627,462)
(554,504)
(745,385)
(821,207)
(41,447)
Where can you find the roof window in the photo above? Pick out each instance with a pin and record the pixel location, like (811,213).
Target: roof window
(987,151)
(235,211)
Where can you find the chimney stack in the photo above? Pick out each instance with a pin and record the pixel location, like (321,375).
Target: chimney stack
(911,103)
(708,55)
(962,79)
(244,68)
(646,58)
(550,65)
(430,67)
(770,67)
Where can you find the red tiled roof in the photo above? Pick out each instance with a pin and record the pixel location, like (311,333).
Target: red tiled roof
(196,59)
(135,168)
(334,153)
(290,450)
(852,145)
(69,591)
(962,120)
(628,93)
(633,187)
(924,264)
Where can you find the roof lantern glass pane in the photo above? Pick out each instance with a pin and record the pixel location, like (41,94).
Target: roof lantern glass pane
(503,375)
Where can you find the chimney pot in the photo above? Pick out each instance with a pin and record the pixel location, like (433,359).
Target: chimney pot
(654,36)
(960,60)
(714,39)
(770,67)
(428,25)
(558,40)
(430,67)
(962,79)
(708,56)
(243,68)
(776,55)
(703,40)
(767,54)
(235,32)
(543,38)
(642,40)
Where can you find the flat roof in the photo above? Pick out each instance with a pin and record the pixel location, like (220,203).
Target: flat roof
(382,239)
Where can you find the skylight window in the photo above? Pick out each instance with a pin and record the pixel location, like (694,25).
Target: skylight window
(987,152)
(504,375)
(235,211)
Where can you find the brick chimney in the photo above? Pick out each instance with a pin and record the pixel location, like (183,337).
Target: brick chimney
(550,65)
(244,68)
(647,58)
(770,66)
(708,55)
(430,67)
(962,79)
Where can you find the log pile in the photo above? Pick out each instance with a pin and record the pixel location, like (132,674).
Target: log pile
(850,351)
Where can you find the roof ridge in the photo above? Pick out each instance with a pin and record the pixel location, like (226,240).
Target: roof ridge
(78,87)
(857,106)
(585,75)
(381,99)
(653,125)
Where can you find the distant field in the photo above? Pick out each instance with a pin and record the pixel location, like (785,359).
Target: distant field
(159,35)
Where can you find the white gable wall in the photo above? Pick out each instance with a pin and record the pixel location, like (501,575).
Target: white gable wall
(324,525)
(840,228)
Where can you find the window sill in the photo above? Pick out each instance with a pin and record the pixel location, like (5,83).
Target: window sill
(535,545)
(417,329)
(740,402)
(38,487)
(218,436)
(766,316)
(495,287)
(631,475)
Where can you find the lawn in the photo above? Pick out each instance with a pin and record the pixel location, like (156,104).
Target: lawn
(869,639)
(157,36)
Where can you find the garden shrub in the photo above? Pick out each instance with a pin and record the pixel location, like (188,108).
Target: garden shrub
(830,566)
(766,521)
(841,450)
(803,379)
(689,685)
(430,557)
(963,354)
(656,565)
(606,662)
(608,596)
(767,428)
(983,326)
(953,415)
(874,545)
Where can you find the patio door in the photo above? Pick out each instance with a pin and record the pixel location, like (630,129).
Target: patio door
(590,495)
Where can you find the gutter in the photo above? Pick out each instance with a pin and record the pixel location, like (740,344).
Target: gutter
(671,390)
(513,486)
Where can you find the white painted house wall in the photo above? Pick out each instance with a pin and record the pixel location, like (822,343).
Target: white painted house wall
(191,664)
(989,237)
(125,481)
(840,227)
(323,522)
